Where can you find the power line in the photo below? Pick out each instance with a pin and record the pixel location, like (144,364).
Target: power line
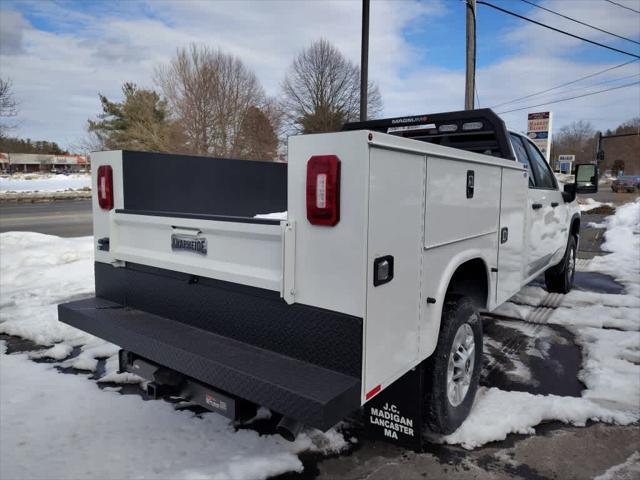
(509,12)
(622,6)
(580,22)
(587,87)
(570,98)
(564,84)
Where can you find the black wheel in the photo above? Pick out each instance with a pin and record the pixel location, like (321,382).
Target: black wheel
(559,279)
(453,371)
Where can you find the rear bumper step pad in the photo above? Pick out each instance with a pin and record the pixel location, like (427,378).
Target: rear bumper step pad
(313,395)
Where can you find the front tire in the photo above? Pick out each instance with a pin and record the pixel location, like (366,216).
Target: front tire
(559,279)
(453,371)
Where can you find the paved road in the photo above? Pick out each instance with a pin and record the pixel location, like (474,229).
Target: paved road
(606,195)
(66,218)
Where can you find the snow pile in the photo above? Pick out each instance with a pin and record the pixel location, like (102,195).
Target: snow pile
(497,413)
(611,367)
(53,422)
(45,183)
(622,239)
(590,204)
(38,272)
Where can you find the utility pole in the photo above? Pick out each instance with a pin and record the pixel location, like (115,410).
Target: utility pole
(470,84)
(364,61)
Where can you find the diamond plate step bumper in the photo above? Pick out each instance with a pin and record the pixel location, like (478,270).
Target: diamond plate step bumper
(313,395)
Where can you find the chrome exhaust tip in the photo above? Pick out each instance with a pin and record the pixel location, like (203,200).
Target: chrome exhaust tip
(288,428)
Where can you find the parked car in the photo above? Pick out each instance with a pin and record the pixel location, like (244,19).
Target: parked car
(366,294)
(626,183)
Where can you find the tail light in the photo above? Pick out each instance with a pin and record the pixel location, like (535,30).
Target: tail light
(105,187)
(323,190)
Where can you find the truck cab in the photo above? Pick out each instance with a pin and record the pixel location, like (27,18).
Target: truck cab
(366,290)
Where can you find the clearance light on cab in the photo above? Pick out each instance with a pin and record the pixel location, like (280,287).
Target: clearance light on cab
(451,127)
(323,190)
(105,187)
(472,126)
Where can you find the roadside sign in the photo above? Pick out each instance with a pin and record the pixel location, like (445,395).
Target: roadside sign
(539,131)
(565,162)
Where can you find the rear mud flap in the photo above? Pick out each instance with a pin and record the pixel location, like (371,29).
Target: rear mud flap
(396,414)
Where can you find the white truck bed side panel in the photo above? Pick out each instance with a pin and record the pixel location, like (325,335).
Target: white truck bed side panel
(511,261)
(245,253)
(330,262)
(396,216)
(451,216)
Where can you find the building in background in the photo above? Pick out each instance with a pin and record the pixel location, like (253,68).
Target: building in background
(620,153)
(35,162)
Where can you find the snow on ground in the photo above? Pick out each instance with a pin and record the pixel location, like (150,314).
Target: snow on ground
(38,272)
(54,422)
(622,239)
(63,426)
(607,328)
(629,470)
(496,413)
(44,183)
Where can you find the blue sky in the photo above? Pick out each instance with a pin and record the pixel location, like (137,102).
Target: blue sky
(59,55)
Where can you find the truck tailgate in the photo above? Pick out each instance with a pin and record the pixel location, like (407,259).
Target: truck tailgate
(239,252)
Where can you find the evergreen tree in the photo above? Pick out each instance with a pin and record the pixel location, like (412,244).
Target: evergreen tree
(256,139)
(140,122)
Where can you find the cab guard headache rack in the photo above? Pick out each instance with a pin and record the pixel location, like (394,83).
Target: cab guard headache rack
(480,131)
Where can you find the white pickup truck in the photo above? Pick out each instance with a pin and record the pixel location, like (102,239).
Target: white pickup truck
(394,234)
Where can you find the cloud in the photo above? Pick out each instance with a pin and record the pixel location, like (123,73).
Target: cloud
(59,68)
(59,72)
(12,27)
(605,16)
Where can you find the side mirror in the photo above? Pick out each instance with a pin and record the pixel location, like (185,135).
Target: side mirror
(586,178)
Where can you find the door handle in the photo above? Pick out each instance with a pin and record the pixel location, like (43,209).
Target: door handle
(536,206)
(554,204)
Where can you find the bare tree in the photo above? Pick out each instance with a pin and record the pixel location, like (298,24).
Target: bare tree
(8,105)
(577,138)
(322,90)
(209,92)
(630,126)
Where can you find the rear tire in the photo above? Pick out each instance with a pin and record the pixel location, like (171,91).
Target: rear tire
(559,279)
(453,370)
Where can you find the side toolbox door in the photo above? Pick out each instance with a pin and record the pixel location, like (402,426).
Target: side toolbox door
(395,239)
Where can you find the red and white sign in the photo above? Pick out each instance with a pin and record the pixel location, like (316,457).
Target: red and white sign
(539,131)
